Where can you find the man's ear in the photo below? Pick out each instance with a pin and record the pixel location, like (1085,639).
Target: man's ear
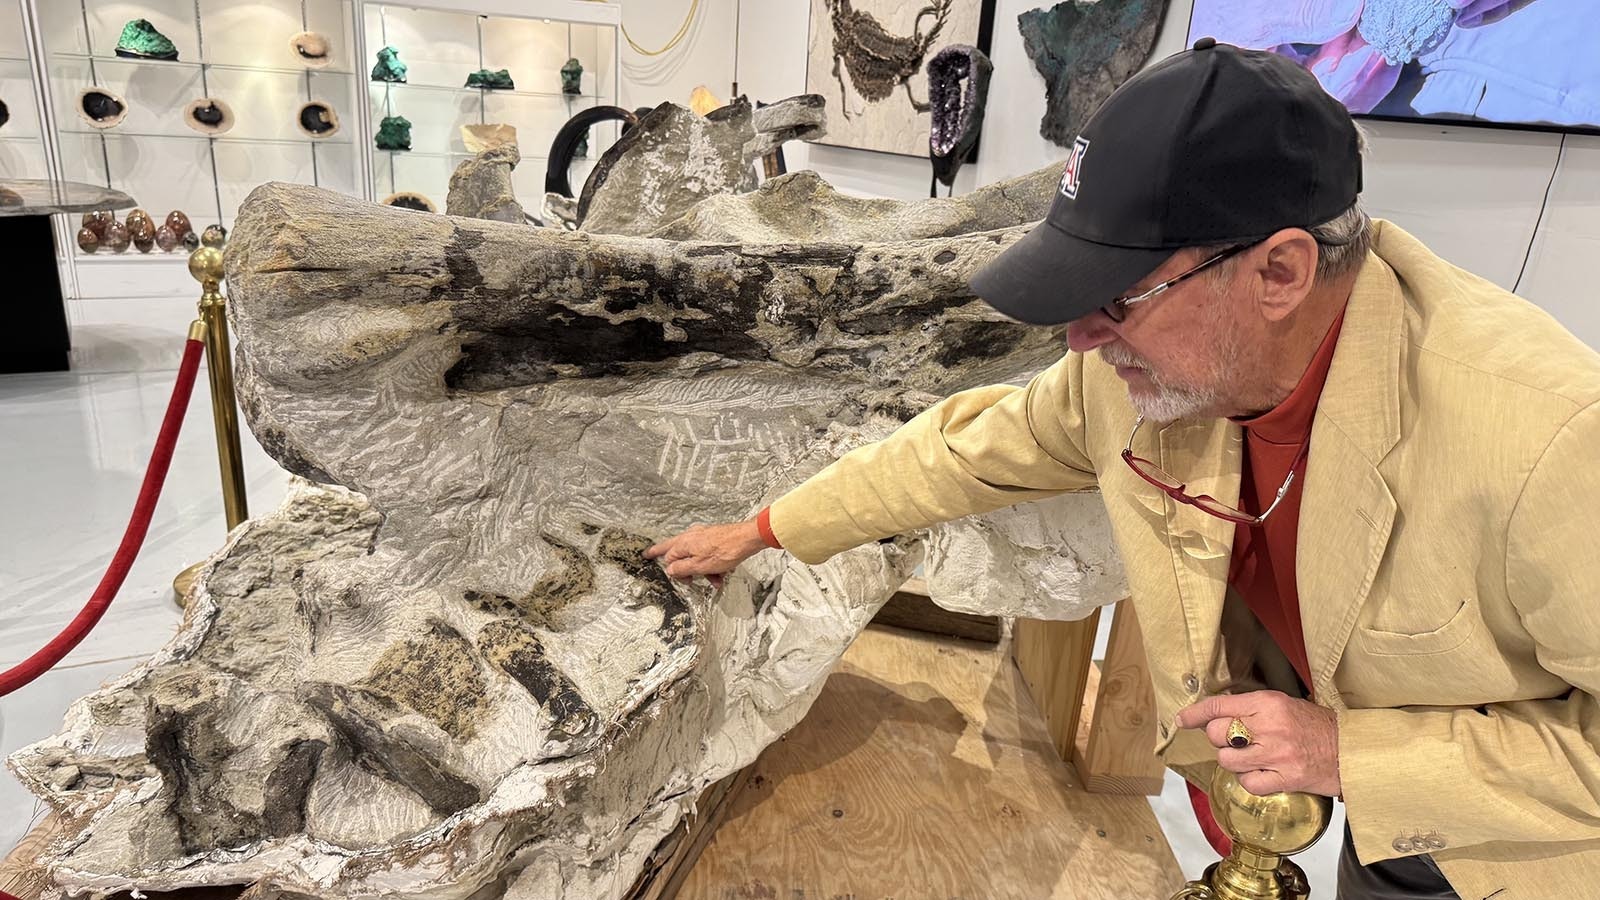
(1285,266)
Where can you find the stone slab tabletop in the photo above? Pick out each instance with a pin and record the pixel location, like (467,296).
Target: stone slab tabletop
(36,197)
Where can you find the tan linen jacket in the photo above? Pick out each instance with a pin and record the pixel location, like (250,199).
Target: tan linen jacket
(1448,560)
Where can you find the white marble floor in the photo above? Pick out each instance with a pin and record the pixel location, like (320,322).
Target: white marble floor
(73,448)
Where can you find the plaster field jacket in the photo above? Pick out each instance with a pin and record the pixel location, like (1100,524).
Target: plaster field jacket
(1448,558)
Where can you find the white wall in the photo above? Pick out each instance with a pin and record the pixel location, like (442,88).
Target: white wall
(1472,194)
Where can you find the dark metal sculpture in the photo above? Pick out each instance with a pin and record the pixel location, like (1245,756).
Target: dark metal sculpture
(879,62)
(958,89)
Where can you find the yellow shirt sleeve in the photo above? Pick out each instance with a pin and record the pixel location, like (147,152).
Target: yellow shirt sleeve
(976,451)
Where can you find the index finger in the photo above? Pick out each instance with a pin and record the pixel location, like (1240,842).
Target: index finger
(1218,707)
(657,549)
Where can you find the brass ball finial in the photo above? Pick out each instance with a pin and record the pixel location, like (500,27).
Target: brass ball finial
(1283,824)
(205,265)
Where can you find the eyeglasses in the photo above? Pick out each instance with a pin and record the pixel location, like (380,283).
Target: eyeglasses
(1206,503)
(1117,310)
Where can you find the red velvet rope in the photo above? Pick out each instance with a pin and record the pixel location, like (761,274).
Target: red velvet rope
(154,476)
(1218,840)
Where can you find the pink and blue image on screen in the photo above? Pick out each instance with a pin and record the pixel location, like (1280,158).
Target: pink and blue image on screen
(1515,62)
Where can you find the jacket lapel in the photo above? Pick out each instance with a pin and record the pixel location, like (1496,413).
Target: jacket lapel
(1209,455)
(1346,510)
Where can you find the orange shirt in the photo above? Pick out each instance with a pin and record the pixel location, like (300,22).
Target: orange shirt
(1262,570)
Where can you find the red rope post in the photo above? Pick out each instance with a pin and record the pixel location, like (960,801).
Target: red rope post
(155,475)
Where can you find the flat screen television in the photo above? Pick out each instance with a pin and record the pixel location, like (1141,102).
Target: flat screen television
(1514,63)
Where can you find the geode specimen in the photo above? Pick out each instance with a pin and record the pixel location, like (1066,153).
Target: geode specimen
(5,113)
(453,674)
(499,80)
(101,108)
(572,77)
(141,40)
(394,133)
(389,67)
(318,119)
(958,90)
(409,200)
(209,116)
(312,49)
(1085,49)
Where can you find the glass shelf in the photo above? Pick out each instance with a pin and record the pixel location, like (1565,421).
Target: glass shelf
(190,64)
(132,255)
(21,138)
(20,59)
(477,90)
(196,136)
(453,154)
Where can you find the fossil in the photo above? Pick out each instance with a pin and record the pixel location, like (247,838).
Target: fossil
(444,670)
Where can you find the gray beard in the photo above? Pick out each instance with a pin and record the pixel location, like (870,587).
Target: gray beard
(1171,402)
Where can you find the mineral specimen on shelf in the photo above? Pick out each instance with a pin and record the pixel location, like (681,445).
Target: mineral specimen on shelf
(190,242)
(139,225)
(116,239)
(389,67)
(179,223)
(5,114)
(312,49)
(214,236)
(1085,51)
(409,200)
(394,133)
(491,81)
(464,680)
(167,239)
(144,245)
(208,115)
(478,138)
(958,89)
(101,108)
(141,40)
(481,187)
(318,119)
(88,240)
(572,77)
(9,197)
(98,220)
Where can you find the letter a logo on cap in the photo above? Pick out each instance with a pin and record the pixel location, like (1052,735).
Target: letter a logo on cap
(1069,178)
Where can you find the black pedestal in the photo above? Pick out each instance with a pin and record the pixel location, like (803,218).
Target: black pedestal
(35,338)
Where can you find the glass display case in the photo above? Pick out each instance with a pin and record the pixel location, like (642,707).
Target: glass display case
(440,45)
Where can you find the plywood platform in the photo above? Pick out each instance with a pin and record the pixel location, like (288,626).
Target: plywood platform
(924,770)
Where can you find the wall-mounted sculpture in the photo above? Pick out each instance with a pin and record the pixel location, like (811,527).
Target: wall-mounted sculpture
(1085,50)
(452,674)
(958,90)
(868,57)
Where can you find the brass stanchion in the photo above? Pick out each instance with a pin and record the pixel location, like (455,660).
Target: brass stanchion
(205,264)
(1265,830)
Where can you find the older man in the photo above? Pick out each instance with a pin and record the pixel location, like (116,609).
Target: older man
(1355,487)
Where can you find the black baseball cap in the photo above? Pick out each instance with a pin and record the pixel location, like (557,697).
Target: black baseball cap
(1213,145)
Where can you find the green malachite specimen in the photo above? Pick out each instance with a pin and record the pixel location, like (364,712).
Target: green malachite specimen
(572,77)
(389,67)
(493,81)
(394,133)
(141,40)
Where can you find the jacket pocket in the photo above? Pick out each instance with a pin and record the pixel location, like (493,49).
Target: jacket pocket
(1446,637)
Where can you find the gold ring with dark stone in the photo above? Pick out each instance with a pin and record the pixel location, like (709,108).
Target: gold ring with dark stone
(1238,735)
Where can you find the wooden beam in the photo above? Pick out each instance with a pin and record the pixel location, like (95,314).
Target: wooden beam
(669,866)
(1054,659)
(911,609)
(1115,749)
